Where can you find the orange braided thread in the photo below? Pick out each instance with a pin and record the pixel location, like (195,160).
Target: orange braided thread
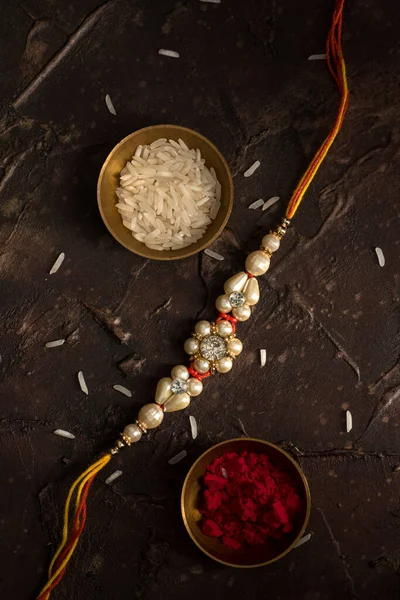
(70,537)
(337,68)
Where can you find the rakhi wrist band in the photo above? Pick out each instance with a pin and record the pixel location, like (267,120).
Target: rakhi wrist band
(213,345)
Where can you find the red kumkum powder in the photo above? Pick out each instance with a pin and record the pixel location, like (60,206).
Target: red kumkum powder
(246,500)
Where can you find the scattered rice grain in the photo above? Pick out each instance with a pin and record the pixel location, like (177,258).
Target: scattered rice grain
(55,343)
(82,383)
(57,264)
(303,540)
(252,169)
(178,457)
(224,473)
(113,476)
(63,433)
(170,53)
(263,357)
(381,257)
(123,390)
(271,202)
(213,254)
(256,204)
(212,1)
(349,421)
(110,105)
(193,427)
(317,57)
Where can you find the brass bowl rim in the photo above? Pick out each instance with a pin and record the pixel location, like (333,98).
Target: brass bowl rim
(306,518)
(188,251)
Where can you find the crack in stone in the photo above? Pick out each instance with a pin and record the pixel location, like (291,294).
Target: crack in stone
(341,556)
(89,22)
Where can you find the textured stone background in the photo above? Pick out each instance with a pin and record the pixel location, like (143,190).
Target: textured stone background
(328,315)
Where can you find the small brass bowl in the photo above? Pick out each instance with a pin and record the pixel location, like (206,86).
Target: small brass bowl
(249,556)
(109,181)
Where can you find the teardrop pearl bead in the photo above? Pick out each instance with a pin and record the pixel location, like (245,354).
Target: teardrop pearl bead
(191,346)
(224,364)
(180,372)
(133,433)
(195,387)
(235,346)
(236,283)
(257,263)
(163,390)
(271,242)
(177,402)
(222,304)
(203,328)
(242,313)
(151,415)
(224,328)
(252,292)
(201,365)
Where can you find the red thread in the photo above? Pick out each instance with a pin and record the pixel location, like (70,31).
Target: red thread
(198,375)
(249,275)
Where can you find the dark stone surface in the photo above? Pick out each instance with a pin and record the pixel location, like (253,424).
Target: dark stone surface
(328,315)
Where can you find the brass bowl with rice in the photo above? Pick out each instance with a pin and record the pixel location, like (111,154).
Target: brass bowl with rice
(165,192)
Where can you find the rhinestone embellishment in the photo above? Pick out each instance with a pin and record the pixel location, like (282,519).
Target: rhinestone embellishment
(178,386)
(213,347)
(236,299)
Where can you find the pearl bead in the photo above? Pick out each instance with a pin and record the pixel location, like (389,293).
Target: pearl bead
(203,328)
(224,328)
(222,304)
(133,433)
(191,346)
(163,390)
(271,242)
(180,372)
(224,364)
(252,292)
(151,415)
(177,402)
(236,283)
(201,365)
(257,263)
(195,387)
(242,313)
(235,346)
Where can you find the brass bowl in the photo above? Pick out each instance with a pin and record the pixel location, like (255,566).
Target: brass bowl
(109,181)
(249,556)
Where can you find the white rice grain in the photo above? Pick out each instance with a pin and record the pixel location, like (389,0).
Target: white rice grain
(82,383)
(317,57)
(213,254)
(224,473)
(55,343)
(381,257)
(170,53)
(263,357)
(252,169)
(167,196)
(110,105)
(349,421)
(177,458)
(193,427)
(113,477)
(256,204)
(63,433)
(57,264)
(271,202)
(212,1)
(123,390)
(303,540)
